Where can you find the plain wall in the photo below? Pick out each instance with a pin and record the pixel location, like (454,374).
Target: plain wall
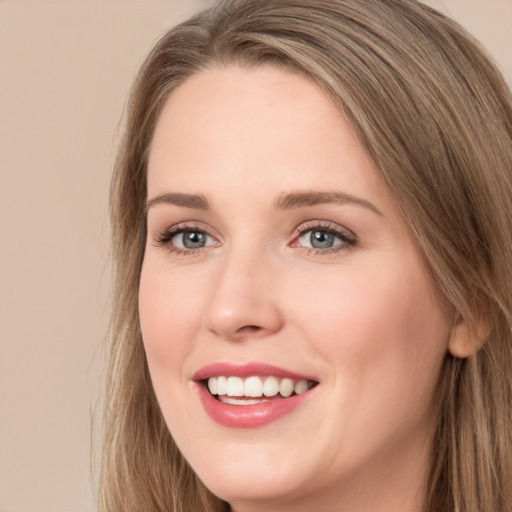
(65,70)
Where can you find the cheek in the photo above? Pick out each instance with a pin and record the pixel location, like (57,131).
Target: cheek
(168,313)
(375,308)
(385,331)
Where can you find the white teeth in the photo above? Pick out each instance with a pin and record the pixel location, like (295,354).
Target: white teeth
(212,386)
(222,385)
(301,386)
(271,386)
(235,386)
(240,401)
(286,387)
(255,387)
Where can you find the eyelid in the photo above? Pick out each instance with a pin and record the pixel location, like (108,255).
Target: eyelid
(323,225)
(163,238)
(347,236)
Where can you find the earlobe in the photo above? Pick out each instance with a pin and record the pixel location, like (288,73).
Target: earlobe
(466,341)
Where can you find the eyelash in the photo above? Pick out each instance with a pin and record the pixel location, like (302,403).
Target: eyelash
(348,239)
(166,236)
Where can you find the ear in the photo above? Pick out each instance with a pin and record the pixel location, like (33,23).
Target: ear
(466,340)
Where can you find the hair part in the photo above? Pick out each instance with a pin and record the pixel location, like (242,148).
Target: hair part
(435,115)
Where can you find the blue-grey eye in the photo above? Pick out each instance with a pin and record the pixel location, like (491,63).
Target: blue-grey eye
(191,240)
(319,239)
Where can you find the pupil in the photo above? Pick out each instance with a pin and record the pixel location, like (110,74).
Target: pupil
(194,239)
(321,240)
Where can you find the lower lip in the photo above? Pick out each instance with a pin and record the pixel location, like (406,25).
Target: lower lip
(249,416)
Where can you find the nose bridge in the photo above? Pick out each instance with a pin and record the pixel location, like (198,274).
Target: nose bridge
(243,300)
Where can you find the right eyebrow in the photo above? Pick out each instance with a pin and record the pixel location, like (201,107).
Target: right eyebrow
(193,201)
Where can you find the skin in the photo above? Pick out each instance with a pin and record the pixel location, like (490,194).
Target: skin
(364,319)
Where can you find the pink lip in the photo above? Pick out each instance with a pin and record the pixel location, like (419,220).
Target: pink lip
(247,370)
(247,416)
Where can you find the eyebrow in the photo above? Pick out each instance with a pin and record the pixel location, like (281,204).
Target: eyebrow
(312,197)
(288,201)
(193,201)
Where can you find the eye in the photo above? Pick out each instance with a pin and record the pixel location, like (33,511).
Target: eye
(191,240)
(317,239)
(323,238)
(185,239)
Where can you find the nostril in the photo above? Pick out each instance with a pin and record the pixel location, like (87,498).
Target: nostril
(249,328)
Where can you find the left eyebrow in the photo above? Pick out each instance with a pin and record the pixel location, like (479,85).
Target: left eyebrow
(312,197)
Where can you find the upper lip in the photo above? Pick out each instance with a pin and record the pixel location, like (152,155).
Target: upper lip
(247,370)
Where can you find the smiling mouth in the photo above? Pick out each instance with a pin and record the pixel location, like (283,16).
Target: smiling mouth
(255,389)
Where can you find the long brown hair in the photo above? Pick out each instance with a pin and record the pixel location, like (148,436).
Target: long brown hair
(435,115)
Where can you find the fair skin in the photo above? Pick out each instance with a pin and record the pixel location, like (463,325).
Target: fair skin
(328,286)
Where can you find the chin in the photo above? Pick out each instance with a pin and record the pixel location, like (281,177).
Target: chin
(252,474)
(249,486)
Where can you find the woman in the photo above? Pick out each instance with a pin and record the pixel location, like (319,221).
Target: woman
(312,227)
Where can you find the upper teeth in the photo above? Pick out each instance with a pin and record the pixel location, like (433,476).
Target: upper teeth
(256,386)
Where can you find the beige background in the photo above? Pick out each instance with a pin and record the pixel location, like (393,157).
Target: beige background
(65,69)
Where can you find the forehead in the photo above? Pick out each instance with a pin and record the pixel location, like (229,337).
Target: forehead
(239,102)
(251,128)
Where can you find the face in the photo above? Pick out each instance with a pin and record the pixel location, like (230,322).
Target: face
(279,273)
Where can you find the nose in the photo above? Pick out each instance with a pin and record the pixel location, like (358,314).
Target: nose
(243,303)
